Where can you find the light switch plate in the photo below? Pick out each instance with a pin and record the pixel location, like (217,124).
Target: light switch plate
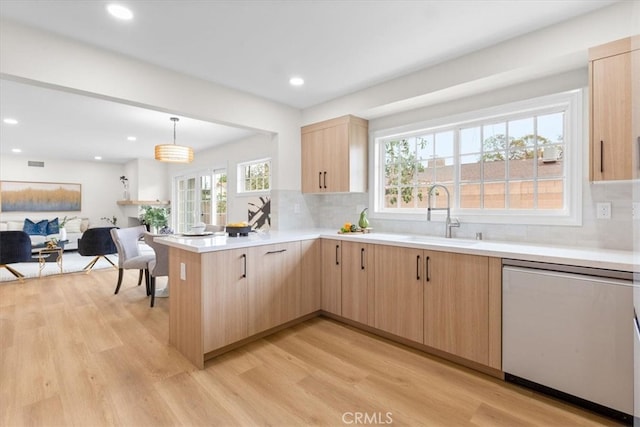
(603,210)
(635,210)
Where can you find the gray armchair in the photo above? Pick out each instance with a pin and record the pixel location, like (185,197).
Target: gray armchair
(159,267)
(129,256)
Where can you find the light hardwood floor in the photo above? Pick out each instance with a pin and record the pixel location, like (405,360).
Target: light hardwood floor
(72,353)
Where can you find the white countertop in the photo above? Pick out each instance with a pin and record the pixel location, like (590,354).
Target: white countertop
(597,258)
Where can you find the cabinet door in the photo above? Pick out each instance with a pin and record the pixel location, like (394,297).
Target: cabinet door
(456,305)
(310,276)
(335,158)
(357,282)
(399,299)
(224,298)
(312,158)
(274,277)
(613,147)
(332,276)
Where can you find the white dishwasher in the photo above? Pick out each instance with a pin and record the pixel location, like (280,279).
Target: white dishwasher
(568,331)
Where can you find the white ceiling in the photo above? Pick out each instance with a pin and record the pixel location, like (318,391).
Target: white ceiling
(338,47)
(56,124)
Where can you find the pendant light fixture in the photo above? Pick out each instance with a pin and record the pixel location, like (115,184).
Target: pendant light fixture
(172,152)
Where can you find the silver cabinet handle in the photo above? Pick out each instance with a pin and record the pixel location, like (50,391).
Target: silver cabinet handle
(601,156)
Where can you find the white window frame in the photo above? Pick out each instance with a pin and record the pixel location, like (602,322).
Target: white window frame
(180,224)
(240,177)
(571,102)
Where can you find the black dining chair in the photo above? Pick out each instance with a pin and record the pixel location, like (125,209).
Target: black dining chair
(15,246)
(97,242)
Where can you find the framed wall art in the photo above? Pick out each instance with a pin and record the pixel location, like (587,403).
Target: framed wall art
(23,196)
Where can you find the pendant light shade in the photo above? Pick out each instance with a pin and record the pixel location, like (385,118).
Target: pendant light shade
(172,152)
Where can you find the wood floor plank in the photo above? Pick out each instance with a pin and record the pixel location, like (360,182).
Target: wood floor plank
(45,412)
(73,353)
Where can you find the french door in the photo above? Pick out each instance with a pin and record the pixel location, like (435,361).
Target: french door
(200,197)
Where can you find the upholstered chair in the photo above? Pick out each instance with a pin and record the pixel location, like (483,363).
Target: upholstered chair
(129,255)
(159,267)
(97,242)
(15,246)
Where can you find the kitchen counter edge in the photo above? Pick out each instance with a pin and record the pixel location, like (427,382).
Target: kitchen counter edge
(596,258)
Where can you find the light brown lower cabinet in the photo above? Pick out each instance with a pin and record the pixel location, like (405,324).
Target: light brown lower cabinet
(447,301)
(224,298)
(456,305)
(274,285)
(332,276)
(399,291)
(310,276)
(358,282)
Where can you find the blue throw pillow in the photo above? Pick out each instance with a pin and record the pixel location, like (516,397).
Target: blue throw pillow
(53,227)
(35,228)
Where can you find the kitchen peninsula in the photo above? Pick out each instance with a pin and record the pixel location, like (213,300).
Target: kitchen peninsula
(227,291)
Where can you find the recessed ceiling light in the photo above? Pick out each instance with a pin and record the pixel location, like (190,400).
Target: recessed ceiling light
(16,150)
(131,138)
(98,157)
(120,12)
(10,121)
(296,81)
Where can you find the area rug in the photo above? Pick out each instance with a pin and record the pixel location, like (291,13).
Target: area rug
(72,262)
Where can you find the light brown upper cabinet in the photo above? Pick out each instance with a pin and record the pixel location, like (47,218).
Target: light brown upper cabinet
(334,156)
(614,77)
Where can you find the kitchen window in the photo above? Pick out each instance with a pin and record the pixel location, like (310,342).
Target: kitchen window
(254,176)
(519,163)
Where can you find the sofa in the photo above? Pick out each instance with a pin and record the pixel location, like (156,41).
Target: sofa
(43,230)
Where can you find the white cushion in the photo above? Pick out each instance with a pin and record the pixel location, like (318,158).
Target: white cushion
(15,225)
(4,226)
(73,225)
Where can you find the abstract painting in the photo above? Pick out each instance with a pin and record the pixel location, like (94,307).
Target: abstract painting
(260,213)
(21,196)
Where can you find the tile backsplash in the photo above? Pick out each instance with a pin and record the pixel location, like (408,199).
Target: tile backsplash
(293,210)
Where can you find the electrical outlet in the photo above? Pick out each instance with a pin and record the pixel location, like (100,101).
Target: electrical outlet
(603,210)
(296,208)
(183,271)
(635,210)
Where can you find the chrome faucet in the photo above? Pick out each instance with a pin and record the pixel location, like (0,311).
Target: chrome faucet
(449,223)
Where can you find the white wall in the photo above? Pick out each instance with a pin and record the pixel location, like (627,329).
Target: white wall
(101,186)
(38,57)
(228,156)
(547,52)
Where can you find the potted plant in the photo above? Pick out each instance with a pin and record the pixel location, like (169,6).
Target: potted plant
(154,218)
